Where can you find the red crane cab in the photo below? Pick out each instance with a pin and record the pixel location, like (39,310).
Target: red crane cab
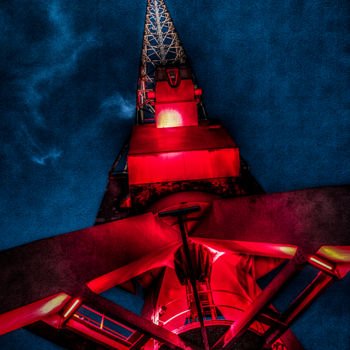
(178,148)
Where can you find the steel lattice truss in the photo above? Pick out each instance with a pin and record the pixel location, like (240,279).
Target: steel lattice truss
(161,46)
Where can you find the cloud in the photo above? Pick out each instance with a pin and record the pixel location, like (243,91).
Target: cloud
(41,67)
(61,52)
(38,152)
(118,106)
(51,155)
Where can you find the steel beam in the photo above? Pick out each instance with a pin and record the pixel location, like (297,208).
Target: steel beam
(307,219)
(65,263)
(264,299)
(140,342)
(135,321)
(179,213)
(299,305)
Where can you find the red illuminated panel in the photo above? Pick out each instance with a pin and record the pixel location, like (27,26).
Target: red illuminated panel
(166,93)
(181,153)
(175,106)
(177,166)
(176,114)
(149,139)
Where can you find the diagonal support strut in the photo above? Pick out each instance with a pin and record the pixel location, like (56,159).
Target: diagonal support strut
(131,319)
(264,298)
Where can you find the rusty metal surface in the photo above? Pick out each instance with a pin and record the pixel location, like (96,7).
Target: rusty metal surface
(307,218)
(66,262)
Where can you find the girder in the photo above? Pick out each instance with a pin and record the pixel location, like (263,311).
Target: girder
(108,254)
(49,280)
(161,46)
(307,219)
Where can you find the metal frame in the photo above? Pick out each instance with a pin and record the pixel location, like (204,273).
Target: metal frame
(278,323)
(179,215)
(161,46)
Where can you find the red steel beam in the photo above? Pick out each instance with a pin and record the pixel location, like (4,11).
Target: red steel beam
(264,299)
(300,304)
(179,214)
(135,321)
(140,342)
(65,263)
(307,219)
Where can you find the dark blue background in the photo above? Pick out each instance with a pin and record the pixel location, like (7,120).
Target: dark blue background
(275,72)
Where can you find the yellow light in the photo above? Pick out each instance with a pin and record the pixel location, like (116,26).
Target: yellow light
(71,308)
(321,263)
(336,253)
(169,118)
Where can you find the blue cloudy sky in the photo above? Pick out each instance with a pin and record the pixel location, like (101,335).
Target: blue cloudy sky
(275,72)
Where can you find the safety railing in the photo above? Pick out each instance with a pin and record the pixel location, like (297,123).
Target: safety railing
(168,314)
(104,324)
(177,321)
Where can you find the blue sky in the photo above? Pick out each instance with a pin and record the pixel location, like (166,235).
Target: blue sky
(275,72)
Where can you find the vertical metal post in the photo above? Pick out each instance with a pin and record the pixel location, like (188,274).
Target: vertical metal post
(179,213)
(193,282)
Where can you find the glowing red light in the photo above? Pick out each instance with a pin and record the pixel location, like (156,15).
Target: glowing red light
(198,92)
(321,263)
(151,95)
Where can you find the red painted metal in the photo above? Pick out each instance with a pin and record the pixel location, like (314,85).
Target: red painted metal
(307,219)
(177,166)
(176,114)
(262,300)
(175,105)
(94,333)
(298,306)
(101,323)
(246,237)
(149,139)
(173,76)
(321,263)
(198,92)
(71,307)
(151,95)
(153,260)
(134,321)
(30,313)
(182,153)
(165,93)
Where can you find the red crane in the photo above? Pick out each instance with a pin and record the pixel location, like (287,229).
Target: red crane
(183,218)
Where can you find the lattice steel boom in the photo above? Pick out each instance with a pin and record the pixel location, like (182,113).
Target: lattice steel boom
(161,46)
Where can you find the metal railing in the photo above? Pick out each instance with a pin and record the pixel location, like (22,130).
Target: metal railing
(120,332)
(169,316)
(104,324)
(168,313)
